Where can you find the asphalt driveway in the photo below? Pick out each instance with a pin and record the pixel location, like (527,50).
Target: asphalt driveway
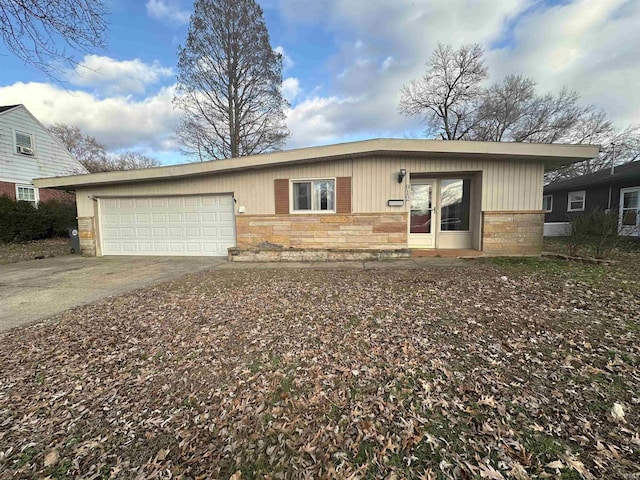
(35,290)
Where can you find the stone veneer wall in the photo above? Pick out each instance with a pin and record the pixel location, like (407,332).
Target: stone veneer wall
(87,232)
(362,230)
(512,232)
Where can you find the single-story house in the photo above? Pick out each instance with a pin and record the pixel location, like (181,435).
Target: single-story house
(616,190)
(372,194)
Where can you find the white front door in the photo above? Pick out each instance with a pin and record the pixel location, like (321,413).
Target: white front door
(422,214)
(440,213)
(177,225)
(630,211)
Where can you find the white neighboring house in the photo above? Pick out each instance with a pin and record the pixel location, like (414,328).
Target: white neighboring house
(28,151)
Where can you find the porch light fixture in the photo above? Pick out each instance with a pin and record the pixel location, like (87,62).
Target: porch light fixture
(402,174)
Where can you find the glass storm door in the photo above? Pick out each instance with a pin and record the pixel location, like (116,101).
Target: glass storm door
(421,214)
(630,211)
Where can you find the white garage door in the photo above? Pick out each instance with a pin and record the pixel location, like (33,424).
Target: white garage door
(189,225)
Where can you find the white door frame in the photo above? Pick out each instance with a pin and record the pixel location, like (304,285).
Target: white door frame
(629,230)
(423,240)
(438,238)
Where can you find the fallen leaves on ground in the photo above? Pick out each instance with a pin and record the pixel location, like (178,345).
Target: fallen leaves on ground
(19,252)
(495,371)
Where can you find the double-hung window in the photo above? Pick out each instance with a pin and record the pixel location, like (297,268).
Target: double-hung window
(547,203)
(313,195)
(575,201)
(25,193)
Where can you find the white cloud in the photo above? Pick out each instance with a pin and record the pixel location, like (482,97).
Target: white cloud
(587,45)
(168,11)
(118,122)
(117,77)
(381,46)
(287,61)
(290,88)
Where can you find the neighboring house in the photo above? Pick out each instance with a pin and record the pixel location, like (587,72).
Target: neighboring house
(373,194)
(28,151)
(617,191)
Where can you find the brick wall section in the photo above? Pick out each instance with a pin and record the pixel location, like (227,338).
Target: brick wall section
(86,230)
(48,194)
(281,189)
(8,190)
(343,195)
(370,230)
(512,233)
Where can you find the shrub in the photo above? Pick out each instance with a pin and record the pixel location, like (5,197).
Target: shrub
(595,231)
(21,221)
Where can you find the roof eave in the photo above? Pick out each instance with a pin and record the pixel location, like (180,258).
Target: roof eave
(551,155)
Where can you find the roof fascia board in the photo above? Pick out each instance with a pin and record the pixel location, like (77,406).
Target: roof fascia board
(551,155)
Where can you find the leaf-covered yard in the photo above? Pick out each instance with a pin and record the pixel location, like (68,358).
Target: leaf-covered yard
(501,369)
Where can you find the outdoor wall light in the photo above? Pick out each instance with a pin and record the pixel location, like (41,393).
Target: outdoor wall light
(402,174)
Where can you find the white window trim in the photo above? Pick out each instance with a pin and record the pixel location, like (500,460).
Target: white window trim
(36,193)
(15,143)
(550,203)
(627,228)
(312,212)
(584,201)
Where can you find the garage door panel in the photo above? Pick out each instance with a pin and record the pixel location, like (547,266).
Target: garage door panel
(188,225)
(175,232)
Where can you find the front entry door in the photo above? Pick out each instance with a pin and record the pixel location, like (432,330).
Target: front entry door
(440,213)
(422,214)
(630,211)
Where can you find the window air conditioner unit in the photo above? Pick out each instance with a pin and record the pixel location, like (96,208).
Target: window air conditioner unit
(25,150)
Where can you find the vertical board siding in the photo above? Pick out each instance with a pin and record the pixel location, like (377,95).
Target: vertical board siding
(511,184)
(281,198)
(343,195)
(50,159)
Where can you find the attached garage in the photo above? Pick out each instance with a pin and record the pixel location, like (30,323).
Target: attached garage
(195,225)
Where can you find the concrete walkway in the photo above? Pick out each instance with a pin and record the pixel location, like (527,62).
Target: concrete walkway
(35,290)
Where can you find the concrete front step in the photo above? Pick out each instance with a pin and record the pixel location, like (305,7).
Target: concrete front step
(255,254)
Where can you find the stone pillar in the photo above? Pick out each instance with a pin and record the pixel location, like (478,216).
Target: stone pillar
(512,232)
(87,232)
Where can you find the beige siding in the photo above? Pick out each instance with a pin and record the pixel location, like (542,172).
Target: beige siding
(506,185)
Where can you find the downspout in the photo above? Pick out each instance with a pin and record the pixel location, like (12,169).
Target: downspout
(613,169)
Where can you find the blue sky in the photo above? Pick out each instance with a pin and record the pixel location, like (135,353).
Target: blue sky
(346,61)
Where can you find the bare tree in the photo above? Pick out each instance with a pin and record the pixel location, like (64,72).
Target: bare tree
(39,32)
(229,83)
(446,97)
(511,110)
(131,160)
(93,155)
(454,106)
(86,149)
